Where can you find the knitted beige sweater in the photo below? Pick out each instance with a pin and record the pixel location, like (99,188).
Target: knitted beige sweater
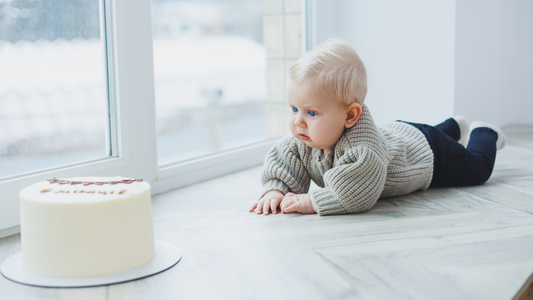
(369,161)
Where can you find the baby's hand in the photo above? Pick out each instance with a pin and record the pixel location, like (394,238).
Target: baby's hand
(301,203)
(270,200)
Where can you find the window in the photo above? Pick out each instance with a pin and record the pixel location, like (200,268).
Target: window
(53,96)
(283,39)
(209,62)
(103,63)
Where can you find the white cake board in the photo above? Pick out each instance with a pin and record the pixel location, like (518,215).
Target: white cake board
(166,256)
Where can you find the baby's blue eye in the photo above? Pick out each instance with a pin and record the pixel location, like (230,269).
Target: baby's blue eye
(294,109)
(312,113)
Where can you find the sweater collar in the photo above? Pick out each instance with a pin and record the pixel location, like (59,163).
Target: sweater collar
(327,162)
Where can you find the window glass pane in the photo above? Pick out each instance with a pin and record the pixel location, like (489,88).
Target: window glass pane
(53,94)
(210,69)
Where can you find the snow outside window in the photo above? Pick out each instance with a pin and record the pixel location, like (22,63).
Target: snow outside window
(53,93)
(211,73)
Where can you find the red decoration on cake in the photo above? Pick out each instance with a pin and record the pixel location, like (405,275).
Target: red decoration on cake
(125,181)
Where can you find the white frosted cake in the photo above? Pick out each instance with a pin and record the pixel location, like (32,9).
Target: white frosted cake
(86,226)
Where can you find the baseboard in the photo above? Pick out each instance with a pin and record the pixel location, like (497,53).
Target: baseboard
(9,231)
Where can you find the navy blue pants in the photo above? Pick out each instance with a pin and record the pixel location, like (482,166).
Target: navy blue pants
(455,165)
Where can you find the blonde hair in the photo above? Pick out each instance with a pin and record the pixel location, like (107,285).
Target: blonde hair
(336,69)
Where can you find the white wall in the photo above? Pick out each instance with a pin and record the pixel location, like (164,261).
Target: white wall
(323,14)
(494,61)
(408,49)
(429,60)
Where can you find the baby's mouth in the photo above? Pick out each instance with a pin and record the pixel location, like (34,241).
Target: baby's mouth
(304,137)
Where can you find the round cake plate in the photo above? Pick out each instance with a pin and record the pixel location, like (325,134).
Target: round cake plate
(166,256)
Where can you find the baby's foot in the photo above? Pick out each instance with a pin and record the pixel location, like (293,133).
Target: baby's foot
(502,140)
(463,127)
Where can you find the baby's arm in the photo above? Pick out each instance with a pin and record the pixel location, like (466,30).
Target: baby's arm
(354,185)
(283,172)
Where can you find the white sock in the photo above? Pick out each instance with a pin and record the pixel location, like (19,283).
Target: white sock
(463,127)
(502,139)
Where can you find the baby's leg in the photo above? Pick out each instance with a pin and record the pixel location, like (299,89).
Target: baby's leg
(456,128)
(450,128)
(455,165)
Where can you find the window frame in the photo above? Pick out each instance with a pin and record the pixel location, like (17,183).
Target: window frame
(132,110)
(128,34)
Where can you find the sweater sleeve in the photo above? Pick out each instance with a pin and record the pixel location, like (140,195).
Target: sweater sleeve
(354,185)
(284,170)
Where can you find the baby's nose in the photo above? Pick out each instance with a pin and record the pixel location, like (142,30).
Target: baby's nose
(299,121)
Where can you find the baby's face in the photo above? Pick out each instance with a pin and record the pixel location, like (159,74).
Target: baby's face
(314,119)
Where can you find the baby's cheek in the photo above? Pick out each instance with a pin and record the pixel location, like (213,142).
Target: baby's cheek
(294,132)
(321,134)
(328,136)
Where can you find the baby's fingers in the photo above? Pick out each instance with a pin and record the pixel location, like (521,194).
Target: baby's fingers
(253,207)
(259,206)
(287,198)
(273,205)
(286,203)
(266,206)
(294,207)
(289,195)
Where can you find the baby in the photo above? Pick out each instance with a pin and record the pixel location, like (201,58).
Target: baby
(335,143)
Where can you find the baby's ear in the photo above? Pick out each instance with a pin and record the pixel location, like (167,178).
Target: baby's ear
(353,112)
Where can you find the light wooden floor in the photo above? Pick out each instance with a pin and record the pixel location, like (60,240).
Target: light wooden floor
(451,243)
